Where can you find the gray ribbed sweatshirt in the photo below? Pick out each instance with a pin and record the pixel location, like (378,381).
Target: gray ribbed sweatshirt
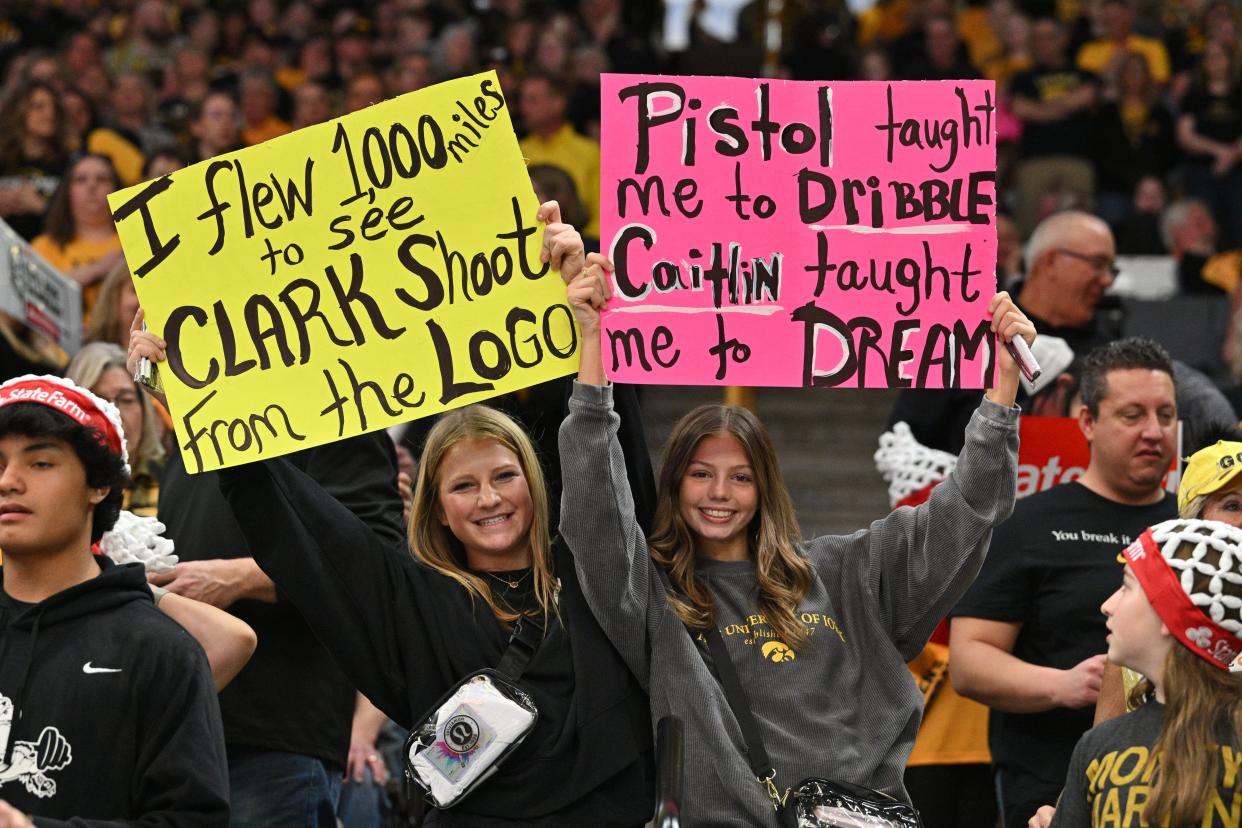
(843,707)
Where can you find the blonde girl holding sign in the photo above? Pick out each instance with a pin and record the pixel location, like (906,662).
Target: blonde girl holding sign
(407,623)
(819,632)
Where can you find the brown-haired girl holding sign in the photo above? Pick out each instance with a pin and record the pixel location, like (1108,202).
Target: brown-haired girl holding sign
(819,632)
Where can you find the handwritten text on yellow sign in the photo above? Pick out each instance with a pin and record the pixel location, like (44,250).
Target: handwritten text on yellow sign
(346,277)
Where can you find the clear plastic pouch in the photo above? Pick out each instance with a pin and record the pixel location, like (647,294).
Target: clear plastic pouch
(819,803)
(469,733)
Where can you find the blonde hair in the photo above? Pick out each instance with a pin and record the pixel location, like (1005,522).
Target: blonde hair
(105,325)
(437,547)
(89,365)
(784,576)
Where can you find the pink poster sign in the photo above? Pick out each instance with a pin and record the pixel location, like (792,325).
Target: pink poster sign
(799,233)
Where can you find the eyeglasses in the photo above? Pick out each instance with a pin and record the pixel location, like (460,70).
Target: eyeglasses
(1103,263)
(126,399)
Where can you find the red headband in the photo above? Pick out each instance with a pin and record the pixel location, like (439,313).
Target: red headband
(1188,624)
(80,405)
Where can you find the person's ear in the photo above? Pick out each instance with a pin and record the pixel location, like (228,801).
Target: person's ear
(1043,262)
(1086,423)
(97,495)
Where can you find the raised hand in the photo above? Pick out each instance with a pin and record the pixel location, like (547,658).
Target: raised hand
(562,244)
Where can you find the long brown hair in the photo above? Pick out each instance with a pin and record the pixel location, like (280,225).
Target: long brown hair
(783,574)
(1202,704)
(12,137)
(437,547)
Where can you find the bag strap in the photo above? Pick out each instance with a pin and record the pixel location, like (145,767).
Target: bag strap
(756,751)
(523,643)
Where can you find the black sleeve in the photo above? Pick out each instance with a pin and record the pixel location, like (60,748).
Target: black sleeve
(1002,591)
(348,582)
(361,473)
(937,417)
(1193,104)
(1023,86)
(180,780)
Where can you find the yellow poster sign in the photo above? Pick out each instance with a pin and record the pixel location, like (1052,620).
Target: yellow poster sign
(346,277)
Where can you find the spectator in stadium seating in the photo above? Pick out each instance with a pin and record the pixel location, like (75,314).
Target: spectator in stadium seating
(1210,131)
(216,126)
(79,238)
(311,104)
(1105,57)
(1132,136)
(129,132)
(1053,100)
(34,150)
(258,108)
(552,140)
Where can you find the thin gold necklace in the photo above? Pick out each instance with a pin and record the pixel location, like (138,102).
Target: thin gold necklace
(511,583)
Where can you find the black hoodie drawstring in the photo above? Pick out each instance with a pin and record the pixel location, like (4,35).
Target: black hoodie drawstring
(20,701)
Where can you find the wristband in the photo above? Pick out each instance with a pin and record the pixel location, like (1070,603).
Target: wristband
(157,593)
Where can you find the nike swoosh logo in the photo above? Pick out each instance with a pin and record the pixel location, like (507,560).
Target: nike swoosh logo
(87,668)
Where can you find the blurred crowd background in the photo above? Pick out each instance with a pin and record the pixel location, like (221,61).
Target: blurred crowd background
(1131,109)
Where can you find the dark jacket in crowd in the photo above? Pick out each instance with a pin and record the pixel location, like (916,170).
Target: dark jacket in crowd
(291,696)
(108,712)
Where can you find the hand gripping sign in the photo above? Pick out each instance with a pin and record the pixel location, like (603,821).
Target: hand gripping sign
(348,276)
(789,233)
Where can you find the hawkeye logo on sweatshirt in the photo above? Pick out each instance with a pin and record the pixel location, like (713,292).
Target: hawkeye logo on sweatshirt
(29,762)
(756,632)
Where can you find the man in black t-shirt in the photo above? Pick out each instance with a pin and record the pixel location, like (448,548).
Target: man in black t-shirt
(1054,101)
(1028,639)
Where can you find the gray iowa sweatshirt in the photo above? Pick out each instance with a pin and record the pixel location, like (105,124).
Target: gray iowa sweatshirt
(844,706)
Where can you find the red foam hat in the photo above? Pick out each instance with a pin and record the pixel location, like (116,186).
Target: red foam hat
(72,400)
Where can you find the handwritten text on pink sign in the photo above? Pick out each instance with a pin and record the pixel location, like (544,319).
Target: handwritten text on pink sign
(782,233)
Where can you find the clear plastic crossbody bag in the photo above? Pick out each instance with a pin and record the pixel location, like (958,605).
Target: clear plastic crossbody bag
(815,802)
(474,727)
(820,803)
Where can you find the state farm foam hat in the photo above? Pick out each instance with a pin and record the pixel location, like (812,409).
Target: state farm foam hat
(73,401)
(1191,572)
(1209,470)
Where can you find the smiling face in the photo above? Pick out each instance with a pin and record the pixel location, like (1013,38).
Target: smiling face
(45,503)
(1079,272)
(1137,638)
(718,497)
(484,500)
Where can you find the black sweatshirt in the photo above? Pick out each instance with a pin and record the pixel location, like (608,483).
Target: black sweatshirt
(290,696)
(113,713)
(405,634)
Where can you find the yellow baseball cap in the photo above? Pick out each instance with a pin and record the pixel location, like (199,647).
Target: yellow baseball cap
(1209,470)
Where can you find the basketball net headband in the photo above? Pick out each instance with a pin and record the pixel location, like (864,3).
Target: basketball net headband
(1182,612)
(75,402)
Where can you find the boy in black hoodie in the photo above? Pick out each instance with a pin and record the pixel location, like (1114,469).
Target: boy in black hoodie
(108,715)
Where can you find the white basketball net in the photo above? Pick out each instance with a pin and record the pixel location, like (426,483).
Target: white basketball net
(1184,544)
(907,465)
